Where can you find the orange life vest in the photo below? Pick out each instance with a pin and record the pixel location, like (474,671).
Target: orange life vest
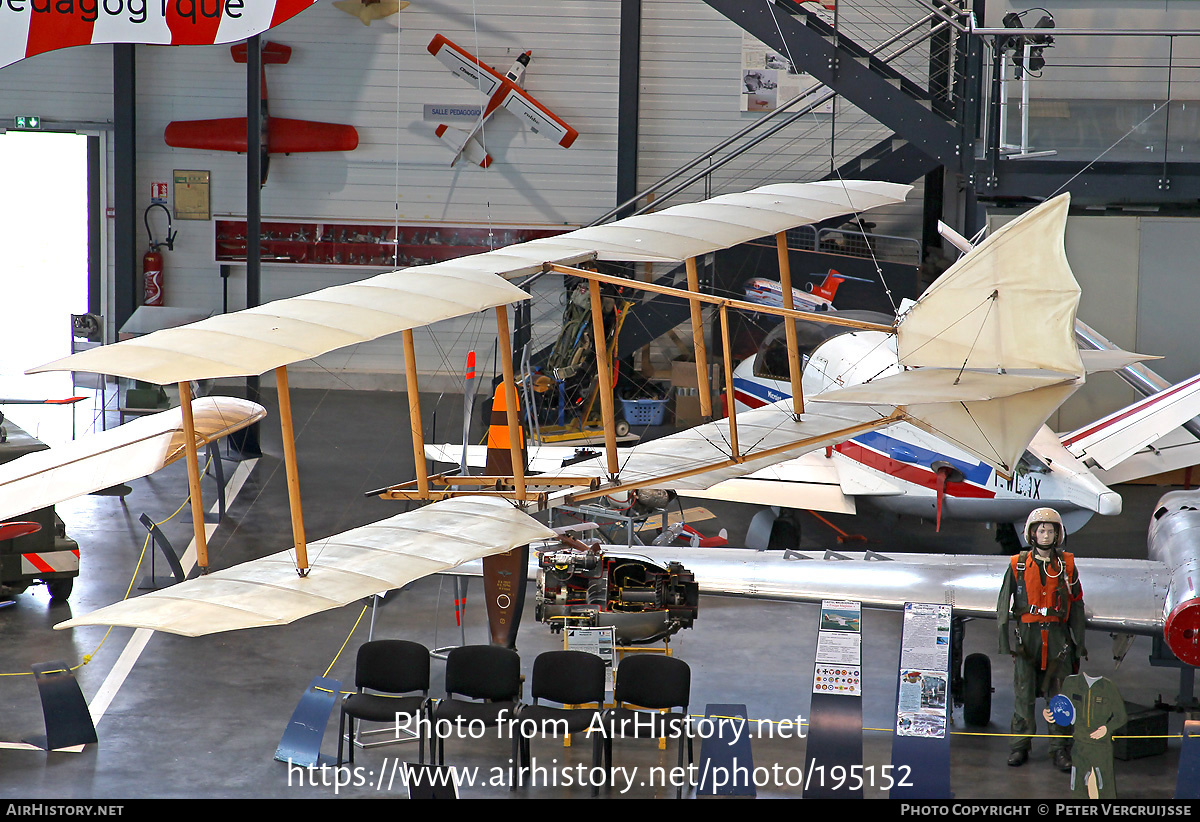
(1044,601)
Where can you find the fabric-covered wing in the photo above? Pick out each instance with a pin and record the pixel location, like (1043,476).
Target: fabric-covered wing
(117,455)
(693,229)
(760,430)
(991,415)
(979,314)
(1007,307)
(347,567)
(810,482)
(256,340)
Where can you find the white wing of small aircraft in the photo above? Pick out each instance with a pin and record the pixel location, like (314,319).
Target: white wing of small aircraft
(117,455)
(502,91)
(1044,366)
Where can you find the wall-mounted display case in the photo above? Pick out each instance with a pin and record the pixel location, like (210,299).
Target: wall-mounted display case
(376,245)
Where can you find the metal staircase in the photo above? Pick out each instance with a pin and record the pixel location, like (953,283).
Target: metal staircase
(888,125)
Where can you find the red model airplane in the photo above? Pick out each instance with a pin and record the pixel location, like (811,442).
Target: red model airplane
(502,90)
(280,135)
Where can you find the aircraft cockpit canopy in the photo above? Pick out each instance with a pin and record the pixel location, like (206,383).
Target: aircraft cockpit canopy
(771,362)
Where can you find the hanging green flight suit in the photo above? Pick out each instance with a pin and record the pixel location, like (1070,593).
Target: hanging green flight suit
(1096,704)
(1039,668)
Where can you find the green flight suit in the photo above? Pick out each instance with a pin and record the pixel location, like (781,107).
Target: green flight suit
(1064,648)
(1097,704)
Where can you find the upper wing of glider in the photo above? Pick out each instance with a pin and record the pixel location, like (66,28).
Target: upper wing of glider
(255,340)
(347,567)
(117,455)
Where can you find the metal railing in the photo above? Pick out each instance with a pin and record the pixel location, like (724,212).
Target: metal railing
(1120,96)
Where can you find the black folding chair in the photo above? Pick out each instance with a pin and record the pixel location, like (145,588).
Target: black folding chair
(656,683)
(388,666)
(568,678)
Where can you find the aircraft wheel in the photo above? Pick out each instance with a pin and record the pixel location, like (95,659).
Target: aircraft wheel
(785,535)
(60,589)
(621,428)
(977,690)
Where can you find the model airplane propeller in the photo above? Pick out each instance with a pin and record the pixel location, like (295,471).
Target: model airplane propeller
(502,90)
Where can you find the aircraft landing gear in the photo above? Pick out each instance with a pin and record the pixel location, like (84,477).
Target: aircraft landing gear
(773,529)
(970,681)
(785,534)
(977,690)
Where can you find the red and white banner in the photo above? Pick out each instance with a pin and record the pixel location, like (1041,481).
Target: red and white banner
(29,27)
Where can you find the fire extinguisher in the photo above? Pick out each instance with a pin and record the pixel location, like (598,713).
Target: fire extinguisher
(152,260)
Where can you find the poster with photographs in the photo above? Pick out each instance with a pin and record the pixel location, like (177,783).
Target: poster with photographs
(769,79)
(921,702)
(839,649)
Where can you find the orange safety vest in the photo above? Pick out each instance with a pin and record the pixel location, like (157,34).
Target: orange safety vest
(1044,602)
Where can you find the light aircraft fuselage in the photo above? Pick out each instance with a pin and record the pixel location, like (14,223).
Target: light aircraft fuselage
(898,467)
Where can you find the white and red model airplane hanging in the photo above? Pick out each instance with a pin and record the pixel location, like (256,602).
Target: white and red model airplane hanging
(502,90)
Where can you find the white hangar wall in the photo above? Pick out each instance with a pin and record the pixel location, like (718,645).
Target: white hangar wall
(378,79)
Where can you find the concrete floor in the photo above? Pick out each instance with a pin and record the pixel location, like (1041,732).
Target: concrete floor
(202,717)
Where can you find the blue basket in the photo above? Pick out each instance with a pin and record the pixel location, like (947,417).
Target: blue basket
(644,412)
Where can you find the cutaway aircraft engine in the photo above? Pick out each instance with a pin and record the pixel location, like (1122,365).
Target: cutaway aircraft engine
(642,600)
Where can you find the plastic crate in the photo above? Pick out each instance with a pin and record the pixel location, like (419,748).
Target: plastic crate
(644,412)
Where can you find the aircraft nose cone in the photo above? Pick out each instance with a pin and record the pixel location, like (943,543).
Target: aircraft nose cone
(1110,504)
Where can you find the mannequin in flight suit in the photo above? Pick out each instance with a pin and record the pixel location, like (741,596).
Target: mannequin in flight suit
(1041,594)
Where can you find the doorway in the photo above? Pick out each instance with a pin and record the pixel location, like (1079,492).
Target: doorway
(43,271)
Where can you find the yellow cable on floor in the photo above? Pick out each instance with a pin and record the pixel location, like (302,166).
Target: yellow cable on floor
(88,657)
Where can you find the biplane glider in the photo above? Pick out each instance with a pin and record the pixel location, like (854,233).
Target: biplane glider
(964,373)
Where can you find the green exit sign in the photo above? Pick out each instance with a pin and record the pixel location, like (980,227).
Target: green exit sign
(29,122)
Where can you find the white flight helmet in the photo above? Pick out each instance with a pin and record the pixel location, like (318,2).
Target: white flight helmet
(1039,515)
